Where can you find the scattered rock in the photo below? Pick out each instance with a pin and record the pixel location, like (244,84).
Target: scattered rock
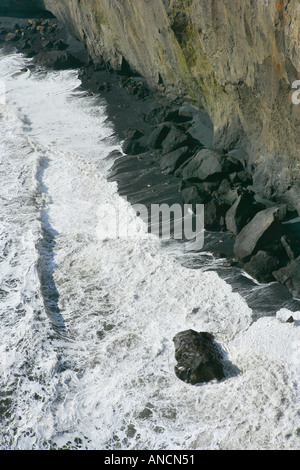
(242,212)
(207,166)
(289,276)
(57,60)
(60,45)
(261,267)
(198,360)
(214,215)
(132,144)
(158,136)
(175,139)
(257,233)
(290,320)
(171,161)
(12,37)
(291,246)
(194,195)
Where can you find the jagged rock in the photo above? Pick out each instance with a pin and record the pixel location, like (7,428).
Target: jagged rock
(12,37)
(171,161)
(175,139)
(227,193)
(57,60)
(198,360)
(244,178)
(289,276)
(261,266)
(242,212)
(290,320)
(208,165)
(132,145)
(258,233)
(194,195)
(204,165)
(291,246)
(158,136)
(214,215)
(60,45)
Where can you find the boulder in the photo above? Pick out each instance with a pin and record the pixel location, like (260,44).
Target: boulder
(171,161)
(194,195)
(289,276)
(12,37)
(259,232)
(60,45)
(175,139)
(214,215)
(292,246)
(242,212)
(57,60)
(204,165)
(159,134)
(261,267)
(198,360)
(227,193)
(208,165)
(244,178)
(132,145)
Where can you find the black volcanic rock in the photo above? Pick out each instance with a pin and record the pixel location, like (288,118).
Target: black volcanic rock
(262,232)
(289,276)
(291,245)
(214,214)
(242,212)
(57,60)
(198,360)
(175,139)
(171,161)
(208,165)
(158,135)
(261,267)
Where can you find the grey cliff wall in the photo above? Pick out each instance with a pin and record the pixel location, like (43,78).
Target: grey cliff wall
(236,59)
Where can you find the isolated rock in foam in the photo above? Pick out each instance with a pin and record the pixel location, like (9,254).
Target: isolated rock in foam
(197,358)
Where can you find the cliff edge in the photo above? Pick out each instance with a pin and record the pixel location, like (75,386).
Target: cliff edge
(236,60)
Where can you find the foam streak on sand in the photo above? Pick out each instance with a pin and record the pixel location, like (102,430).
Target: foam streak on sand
(87,358)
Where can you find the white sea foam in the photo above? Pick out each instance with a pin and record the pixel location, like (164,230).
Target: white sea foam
(104,378)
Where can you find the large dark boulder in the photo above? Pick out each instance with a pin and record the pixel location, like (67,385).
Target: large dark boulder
(291,245)
(209,165)
(57,60)
(263,231)
(261,267)
(195,194)
(171,161)
(214,214)
(176,139)
(205,164)
(132,144)
(289,276)
(198,360)
(242,212)
(158,135)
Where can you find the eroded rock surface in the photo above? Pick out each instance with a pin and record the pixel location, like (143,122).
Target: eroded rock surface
(198,358)
(236,60)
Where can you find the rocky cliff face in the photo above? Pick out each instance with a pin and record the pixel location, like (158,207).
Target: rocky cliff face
(235,59)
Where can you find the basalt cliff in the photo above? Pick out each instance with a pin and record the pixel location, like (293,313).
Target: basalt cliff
(237,60)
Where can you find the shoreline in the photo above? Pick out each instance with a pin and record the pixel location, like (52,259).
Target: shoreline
(144,122)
